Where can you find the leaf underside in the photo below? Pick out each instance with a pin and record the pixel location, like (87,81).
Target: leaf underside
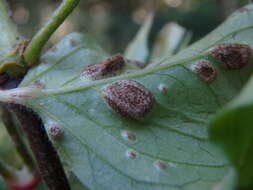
(174,133)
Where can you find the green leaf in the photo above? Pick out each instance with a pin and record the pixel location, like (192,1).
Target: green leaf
(232,128)
(2,185)
(169,41)
(237,28)
(171,143)
(75,183)
(138,48)
(69,57)
(10,41)
(9,32)
(8,152)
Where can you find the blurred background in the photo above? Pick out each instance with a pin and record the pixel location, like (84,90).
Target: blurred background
(113,23)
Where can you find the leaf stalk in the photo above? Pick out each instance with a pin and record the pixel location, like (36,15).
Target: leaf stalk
(48,161)
(34,49)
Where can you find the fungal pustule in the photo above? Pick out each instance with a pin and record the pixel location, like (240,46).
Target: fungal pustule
(232,55)
(55,131)
(205,70)
(160,165)
(106,68)
(128,135)
(163,88)
(129,98)
(131,154)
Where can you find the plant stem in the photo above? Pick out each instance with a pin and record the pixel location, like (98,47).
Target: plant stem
(6,172)
(11,128)
(49,164)
(33,50)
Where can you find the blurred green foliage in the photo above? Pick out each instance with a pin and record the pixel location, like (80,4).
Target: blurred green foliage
(114,22)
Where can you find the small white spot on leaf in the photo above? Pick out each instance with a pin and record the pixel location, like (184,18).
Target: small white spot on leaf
(128,135)
(160,165)
(131,154)
(163,88)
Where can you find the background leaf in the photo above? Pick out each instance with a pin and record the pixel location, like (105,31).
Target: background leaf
(8,152)
(9,32)
(233,129)
(169,41)
(2,185)
(138,48)
(236,29)
(171,145)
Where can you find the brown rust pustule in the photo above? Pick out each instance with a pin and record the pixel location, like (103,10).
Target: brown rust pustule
(106,68)
(131,154)
(128,135)
(160,165)
(129,98)
(205,70)
(55,131)
(232,55)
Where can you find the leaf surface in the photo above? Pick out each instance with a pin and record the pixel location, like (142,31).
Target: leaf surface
(171,144)
(232,128)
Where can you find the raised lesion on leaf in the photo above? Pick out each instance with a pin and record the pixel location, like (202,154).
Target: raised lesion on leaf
(205,70)
(129,98)
(232,55)
(105,68)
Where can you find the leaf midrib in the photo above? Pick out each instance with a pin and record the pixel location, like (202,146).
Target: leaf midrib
(136,74)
